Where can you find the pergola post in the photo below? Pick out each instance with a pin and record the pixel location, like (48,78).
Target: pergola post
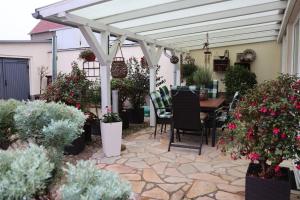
(152,55)
(105,59)
(176,69)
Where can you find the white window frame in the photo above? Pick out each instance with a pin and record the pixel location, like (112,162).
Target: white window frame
(295,70)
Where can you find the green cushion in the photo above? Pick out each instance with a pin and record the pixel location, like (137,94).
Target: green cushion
(165,94)
(158,102)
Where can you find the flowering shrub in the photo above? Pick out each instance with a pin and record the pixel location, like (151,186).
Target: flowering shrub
(72,89)
(24,173)
(111,117)
(265,125)
(7,123)
(85,181)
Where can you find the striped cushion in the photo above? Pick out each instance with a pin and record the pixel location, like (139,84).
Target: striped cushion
(165,115)
(213,90)
(165,94)
(158,103)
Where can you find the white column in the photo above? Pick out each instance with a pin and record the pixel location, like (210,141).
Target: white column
(152,70)
(178,74)
(105,74)
(115,101)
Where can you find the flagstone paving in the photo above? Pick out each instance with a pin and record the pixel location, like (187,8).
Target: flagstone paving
(179,174)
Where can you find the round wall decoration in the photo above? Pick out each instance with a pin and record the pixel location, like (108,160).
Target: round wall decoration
(174,59)
(249,55)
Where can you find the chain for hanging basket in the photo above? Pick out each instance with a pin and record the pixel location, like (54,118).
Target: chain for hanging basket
(118,66)
(174,59)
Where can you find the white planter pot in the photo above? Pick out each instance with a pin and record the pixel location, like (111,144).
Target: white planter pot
(111,135)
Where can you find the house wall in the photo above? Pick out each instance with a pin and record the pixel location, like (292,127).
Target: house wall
(37,55)
(266,66)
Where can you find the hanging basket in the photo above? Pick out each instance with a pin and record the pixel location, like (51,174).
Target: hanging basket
(174,59)
(144,63)
(119,68)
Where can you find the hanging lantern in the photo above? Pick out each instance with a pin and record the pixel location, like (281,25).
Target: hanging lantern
(144,63)
(118,66)
(207,52)
(174,59)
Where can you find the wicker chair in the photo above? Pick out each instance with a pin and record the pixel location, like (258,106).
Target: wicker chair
(161,115)
(186,117)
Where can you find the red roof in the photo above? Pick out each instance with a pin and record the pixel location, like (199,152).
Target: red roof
(45,26)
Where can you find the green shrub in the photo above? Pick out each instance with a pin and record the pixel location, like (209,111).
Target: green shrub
(187,70)
(238,78)
(7,124)
(53,125)
(85,181)
(24,173)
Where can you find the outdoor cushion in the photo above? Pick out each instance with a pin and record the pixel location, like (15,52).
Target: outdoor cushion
(165,94)
(165,115)
(158,102)
(213,89)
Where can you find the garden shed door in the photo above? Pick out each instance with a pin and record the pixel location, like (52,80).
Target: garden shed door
(14,78)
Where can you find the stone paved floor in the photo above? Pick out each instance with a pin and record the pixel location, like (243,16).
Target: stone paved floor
(156,173)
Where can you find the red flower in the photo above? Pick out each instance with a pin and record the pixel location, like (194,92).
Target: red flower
(231,126)
(276,131)
(78,105)
(298,166)
(297,105)
(238,115)
(277,168)
(250,134)
(272,113)
(71,93)
(283,136)
(298,137)
(253,103)
(254,156)
(263,109)
(292,98)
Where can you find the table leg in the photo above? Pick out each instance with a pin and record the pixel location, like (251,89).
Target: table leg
(213,134)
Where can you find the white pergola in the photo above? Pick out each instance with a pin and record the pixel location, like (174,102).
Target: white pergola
(176,25)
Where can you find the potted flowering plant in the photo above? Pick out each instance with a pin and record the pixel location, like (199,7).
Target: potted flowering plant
(87,55)
(265,129)
(111,133)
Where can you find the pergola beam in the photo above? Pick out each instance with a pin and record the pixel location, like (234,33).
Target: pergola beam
(229,39)
(286,16)
(249,41)
(202,36)
(158,9)
(218,26)
(277,5)
(65,6)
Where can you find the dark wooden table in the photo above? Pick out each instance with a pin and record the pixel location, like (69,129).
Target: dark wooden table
(210,106)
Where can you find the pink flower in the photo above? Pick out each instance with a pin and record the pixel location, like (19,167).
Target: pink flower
(250,134)
(253,103)
(254,156)
(292,98)
(297,105)
(298,166)
(276,131)
(272,113)
(231,126)
(238,115)
(277,168)
(283,136)
(298,137)
(78,105)
(263,109)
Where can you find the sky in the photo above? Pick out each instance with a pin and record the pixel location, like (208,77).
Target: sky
(16,20)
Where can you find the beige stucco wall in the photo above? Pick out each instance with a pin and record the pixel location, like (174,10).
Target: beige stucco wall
(37,53)
(266,66)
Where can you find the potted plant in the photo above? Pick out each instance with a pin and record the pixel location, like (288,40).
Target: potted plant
(238,78)
(202,78)
(111,134)
(87,56)
(265,129)
(123,87)
(187,71)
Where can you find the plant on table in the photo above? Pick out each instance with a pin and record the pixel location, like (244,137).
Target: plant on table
(24,173)
(202,77)
(7,123)
(72,89)
(86,181)
(265,127)
(238,78)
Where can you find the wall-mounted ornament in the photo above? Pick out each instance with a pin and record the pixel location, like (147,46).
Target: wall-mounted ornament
(174,59)
(249,55)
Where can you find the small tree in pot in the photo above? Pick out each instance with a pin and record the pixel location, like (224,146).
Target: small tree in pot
(265,129)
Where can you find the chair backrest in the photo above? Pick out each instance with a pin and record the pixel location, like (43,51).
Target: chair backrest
(234,101)
(157,102)
(166,96)
(186,110)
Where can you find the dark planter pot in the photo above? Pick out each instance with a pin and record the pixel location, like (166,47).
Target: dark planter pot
(95,127)
(4,144)
(76,147)
(267,189)
(87,132)
(125,119)
(136,116)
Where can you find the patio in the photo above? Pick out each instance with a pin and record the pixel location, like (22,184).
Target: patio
(155,173)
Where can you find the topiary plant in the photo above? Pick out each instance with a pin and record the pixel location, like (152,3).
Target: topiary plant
(24,173)
(86,181)
(238,78)
(7,123)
